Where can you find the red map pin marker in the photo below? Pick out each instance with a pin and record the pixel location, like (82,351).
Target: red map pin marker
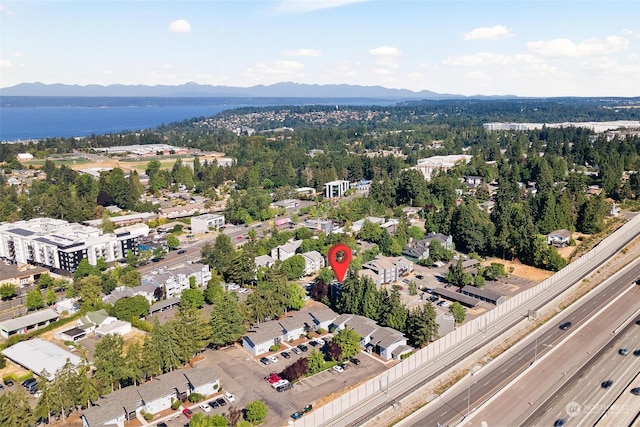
(339,258)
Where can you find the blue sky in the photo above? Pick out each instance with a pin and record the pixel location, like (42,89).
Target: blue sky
(525,48)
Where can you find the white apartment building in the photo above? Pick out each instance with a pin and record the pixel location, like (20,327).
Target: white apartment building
(202,223)
(57,244)
(431,165)
(176,280)
(335,189)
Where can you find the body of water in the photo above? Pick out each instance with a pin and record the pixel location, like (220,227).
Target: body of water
(31,118)
(46,121)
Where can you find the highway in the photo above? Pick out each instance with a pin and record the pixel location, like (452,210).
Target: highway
(583,400)
(469,394)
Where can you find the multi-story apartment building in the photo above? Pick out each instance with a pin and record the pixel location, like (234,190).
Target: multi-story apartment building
(57,244)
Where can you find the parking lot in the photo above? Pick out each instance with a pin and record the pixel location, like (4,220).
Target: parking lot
(244,377)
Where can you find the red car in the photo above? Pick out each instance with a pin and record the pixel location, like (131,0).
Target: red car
(187,413)
(273,378)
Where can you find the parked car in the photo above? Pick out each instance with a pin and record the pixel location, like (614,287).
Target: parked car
(303,347)
(230,397)
(355,361)
(8,382)
(182,251)
(338,369)
(273,359)
(265,361)
(187,413)
(29,382)
(279,384)
(221,401)
(273,378)
(162,424)
(285,354)
(284,387)
(343,366)
(297,415)
(419,276)
(214,404)
(320,342)
(296,350)
(205,407)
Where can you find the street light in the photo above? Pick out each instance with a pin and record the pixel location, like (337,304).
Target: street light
(535,354)
(469,397)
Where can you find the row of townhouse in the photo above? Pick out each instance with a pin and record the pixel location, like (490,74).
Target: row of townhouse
(386,342)
(154,396)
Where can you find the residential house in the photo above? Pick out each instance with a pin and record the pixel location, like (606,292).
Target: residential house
(285,251)
(101,324)
(559,238)
(313,262)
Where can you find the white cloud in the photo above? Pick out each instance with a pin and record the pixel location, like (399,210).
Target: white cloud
(497,32)
(302,52)
(179,26)
(630,33)
(305,6)
(4,63)
(385,51)
(167,66)
(6,10)
(488,58)
(565,48)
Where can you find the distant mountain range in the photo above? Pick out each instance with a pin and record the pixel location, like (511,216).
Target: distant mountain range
(278,90)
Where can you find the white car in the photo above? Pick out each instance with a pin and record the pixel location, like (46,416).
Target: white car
(233,287)
(338,369)
(273,359)
(279,383)
(230,397)
(320,342)
(243,290)
(205,407)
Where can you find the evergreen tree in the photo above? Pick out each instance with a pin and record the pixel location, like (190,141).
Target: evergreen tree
(109,362)
(421,326)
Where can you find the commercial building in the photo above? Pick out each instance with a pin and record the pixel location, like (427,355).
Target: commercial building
(41,357)
(431,165)
(335,189)
(202,223)
(57,244)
